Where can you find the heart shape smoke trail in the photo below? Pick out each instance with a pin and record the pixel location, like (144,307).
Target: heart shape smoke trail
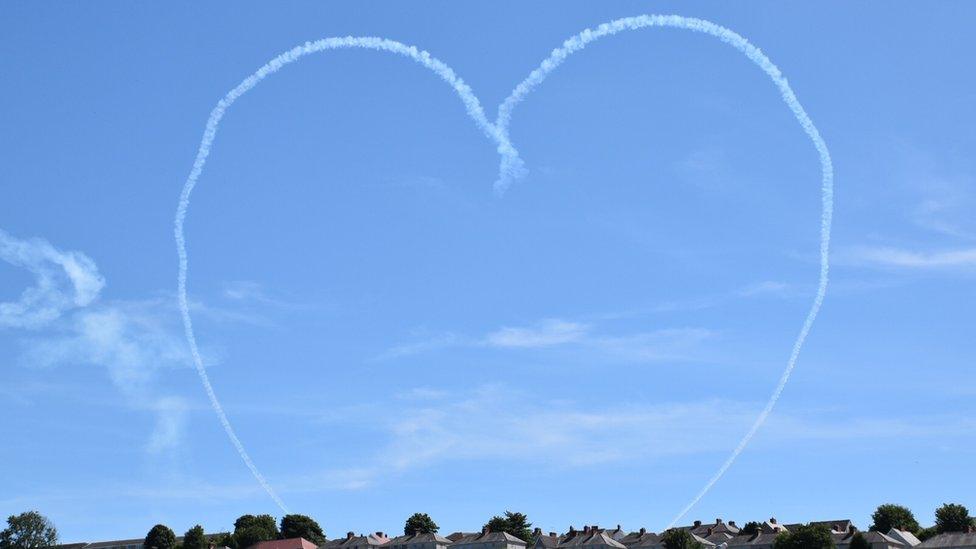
(511,168)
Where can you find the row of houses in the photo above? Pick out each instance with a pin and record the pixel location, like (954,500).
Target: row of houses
(716,535)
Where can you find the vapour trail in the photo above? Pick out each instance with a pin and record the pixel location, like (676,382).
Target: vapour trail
(509,169)
(471,104)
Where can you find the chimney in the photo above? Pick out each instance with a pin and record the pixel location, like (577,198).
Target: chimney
(537,532)
(643,530)
(380,535)
(772,520)
(586,529)
(732,524)
(697,523)
(350,535)
(718,521)
(572,530)
(553,535)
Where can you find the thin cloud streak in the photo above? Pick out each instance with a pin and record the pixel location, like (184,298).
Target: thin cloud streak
(554,333)
(909,259)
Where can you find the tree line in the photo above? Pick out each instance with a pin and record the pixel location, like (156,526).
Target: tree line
(32,530)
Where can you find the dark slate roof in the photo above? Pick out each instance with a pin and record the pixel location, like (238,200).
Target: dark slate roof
(762,538)
(547,541)
(638,539)
(708,529)
(598,537)
(489,537)
(419,538)
(351,540)
(950,539)
(135,541)
(841,525)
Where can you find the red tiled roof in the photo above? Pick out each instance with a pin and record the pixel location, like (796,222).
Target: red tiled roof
(291,543)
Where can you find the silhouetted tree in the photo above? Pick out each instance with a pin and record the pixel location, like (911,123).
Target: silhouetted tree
(750,529)
(250,529)
(420,523)
(809,536)
(890,516)
(677,538)
(926,533)
(952,517)
(302,526)
(516,524)
(28,530)
(859,542)
(160,537)
(194,538)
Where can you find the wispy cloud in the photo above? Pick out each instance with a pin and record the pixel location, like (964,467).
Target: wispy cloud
(554,333)
(547,333)
(62,281)
(134,342)
(500,423)
(910,259)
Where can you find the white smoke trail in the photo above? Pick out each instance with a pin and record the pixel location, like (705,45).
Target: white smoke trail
(471,104)
(510,169)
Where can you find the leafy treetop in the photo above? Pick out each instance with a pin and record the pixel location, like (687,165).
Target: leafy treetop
(160,537)
(302,526)
(29,530)
(420,523)
(516,524)
(677,538)
(890,516)
(809,536)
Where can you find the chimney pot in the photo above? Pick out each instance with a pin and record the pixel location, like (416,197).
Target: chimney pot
(643,531)
(350,535)
(553,535)
(697,523)
(586,529)
(772,520)
(731,523)
(718,521)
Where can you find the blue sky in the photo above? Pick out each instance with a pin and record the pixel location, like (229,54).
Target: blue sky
(389,336)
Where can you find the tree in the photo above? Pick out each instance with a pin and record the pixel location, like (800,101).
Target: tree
(805,537)
(952,517)
(859,542)
(926,533)
(250,529)
(28,530)
(750,529)
(160,537)
(516,524)
(223,539)
(302,526)
(420,523)
(890,516)
(194,538)
(677,538)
